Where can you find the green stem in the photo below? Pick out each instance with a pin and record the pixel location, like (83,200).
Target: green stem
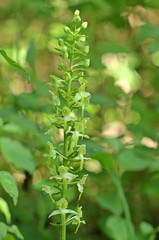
(65,140)
(64,188)
(124,204)
(63,215)
(63,226)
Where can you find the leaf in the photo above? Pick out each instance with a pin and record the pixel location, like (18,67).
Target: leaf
(14,64)
(23,123)
(146,228)
(5,210)
(59,212)
(3,230)
(14,152)
(130,161)
(13,229)
(113,47)
(9,237)
(102,100)
(152,4)
(9,185)
(147,31)
(116,228)
(154,167)
(110,202)
(30,58)
(106,159)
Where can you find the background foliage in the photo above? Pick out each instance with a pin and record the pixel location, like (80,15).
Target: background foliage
(123,80)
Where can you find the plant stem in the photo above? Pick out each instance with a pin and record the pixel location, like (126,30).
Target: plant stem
(124,203)
(63,226)
(64,195)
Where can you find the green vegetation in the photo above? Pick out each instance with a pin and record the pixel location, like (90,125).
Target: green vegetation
(44,129)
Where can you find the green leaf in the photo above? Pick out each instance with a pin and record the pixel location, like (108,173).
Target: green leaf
(30,58)
(116,228)
(5,210)
(114,47)
(3,230)
(9,185)
(151,4)
(14,64)
(23,123)
(106,159)
(102,100)
(147,31)
(14,152)
(154,167)
(146,228)
(130,161)
(9,237)
(110,202)
(13,229)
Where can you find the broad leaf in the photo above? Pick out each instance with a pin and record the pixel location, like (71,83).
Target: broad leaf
(147,31)
(117,228)
(130,161)
(110,202)
(154,166)
(106,159)
(9,185)
(14,152)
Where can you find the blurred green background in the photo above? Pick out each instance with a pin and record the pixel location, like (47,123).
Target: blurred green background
(124,113)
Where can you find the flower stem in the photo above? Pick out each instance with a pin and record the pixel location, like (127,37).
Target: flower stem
(63,226)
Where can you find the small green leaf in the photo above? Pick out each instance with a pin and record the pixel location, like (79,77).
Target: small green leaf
(9,185)
(14,64)
(3,230)
(30,58)
(14,152)
(146,228)
(60,211)
(13,229)
(5,210)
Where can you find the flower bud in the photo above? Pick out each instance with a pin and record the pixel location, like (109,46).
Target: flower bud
(77,13)
(84,25)
(86,49)
(65,111)
(61,42)
(77,16)
(82,38)
(66,29)
(62,203)
(87,62)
